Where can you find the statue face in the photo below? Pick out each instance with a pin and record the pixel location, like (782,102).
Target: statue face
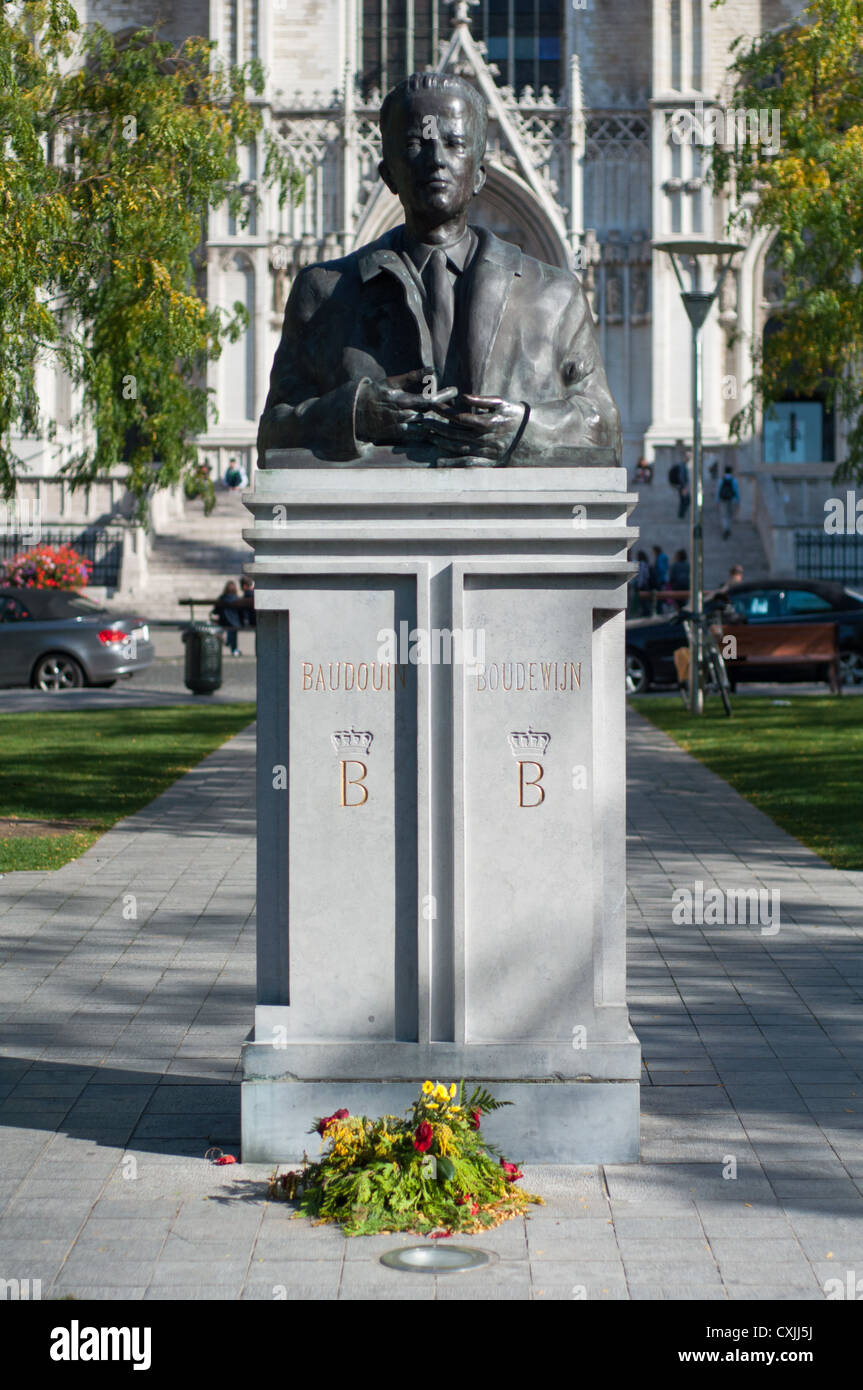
(431,159)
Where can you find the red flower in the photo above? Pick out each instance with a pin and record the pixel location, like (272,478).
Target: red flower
(423,1137)
(226,1158)
(475,1119)
(328,1120)
(464,1200)
(440,1235)
(510,1171)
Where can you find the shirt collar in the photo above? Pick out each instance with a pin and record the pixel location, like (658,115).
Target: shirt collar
(458,253)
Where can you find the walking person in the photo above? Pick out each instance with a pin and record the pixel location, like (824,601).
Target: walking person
(679,478)
(728,496)
(679,576)
(642,583)
(684,491)
(659,571)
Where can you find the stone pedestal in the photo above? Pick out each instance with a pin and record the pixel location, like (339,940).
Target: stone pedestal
(441,854)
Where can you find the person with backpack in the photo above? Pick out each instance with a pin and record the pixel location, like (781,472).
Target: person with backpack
(728,496)
(678,477)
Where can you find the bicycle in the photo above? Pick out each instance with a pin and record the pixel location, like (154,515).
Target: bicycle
(713,669)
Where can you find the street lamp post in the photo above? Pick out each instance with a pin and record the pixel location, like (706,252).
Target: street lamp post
(697,303)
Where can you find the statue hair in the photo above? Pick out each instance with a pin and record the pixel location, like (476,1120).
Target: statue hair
(437,82)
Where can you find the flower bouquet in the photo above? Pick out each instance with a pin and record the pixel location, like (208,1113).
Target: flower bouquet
(432,1173)
(46,567)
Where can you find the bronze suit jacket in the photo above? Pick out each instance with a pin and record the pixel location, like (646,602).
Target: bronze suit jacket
(523,331)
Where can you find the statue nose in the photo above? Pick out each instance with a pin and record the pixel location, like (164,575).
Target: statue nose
(436,155)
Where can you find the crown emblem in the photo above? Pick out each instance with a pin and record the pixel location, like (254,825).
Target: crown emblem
(527,741)
(351,740)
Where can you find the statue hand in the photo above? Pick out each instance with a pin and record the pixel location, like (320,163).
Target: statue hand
(387,410)
(486,428)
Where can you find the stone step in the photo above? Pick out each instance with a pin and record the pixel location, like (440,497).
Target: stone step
(656,517)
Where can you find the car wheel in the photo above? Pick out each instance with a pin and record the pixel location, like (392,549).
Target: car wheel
(851,668)
(57,671)
(637,674)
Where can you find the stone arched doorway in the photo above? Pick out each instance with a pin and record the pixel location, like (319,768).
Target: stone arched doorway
(798,428)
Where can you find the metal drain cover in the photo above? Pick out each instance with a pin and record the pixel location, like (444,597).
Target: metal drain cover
(436,1259)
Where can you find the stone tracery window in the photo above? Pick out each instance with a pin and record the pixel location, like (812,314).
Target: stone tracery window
(398,37)
(523,38)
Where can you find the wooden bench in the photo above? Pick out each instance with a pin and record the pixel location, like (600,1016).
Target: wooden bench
(764,645)
(679,597)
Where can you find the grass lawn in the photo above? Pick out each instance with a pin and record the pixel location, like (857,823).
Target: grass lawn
(802,764)
(93,767)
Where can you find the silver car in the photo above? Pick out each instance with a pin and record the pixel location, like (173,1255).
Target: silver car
(54,639)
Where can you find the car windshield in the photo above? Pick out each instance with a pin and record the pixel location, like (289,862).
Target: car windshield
(76,603)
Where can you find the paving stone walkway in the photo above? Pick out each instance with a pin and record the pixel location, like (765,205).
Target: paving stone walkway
(127,986)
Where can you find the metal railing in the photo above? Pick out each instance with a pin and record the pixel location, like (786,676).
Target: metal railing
(820,556)
(102,547)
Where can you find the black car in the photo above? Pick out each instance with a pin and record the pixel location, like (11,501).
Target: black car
(651,642)
(54,639)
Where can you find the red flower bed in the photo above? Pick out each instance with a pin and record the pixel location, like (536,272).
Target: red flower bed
(46,567)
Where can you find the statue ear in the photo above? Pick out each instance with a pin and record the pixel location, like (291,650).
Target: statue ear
(387,177)
(479,181)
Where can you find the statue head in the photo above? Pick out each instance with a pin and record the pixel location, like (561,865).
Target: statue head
(433,132)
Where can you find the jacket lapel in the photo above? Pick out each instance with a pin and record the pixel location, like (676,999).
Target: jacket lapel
(382,256)
(486,293)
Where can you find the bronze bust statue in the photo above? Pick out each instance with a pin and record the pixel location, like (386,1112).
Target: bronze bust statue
(439,342)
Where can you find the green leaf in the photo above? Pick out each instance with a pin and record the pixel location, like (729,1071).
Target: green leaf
(113,149)
(445,1170)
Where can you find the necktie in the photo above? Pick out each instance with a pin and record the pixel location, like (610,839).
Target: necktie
(441,308)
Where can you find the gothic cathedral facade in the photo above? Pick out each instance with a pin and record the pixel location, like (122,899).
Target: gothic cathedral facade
(585,169)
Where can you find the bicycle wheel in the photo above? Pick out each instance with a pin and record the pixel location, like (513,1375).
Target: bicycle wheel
(720,675)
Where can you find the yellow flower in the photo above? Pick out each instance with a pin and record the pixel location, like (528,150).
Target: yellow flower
(428,1087)
(452,1090)
(446,1139)
(440,1092)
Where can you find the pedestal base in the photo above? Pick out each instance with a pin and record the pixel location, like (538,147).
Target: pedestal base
(548,1122)
(441,848)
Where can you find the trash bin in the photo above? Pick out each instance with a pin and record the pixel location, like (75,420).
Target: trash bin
(203,658)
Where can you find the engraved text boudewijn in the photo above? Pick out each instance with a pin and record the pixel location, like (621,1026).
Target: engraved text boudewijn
(529,676)
(383,676)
